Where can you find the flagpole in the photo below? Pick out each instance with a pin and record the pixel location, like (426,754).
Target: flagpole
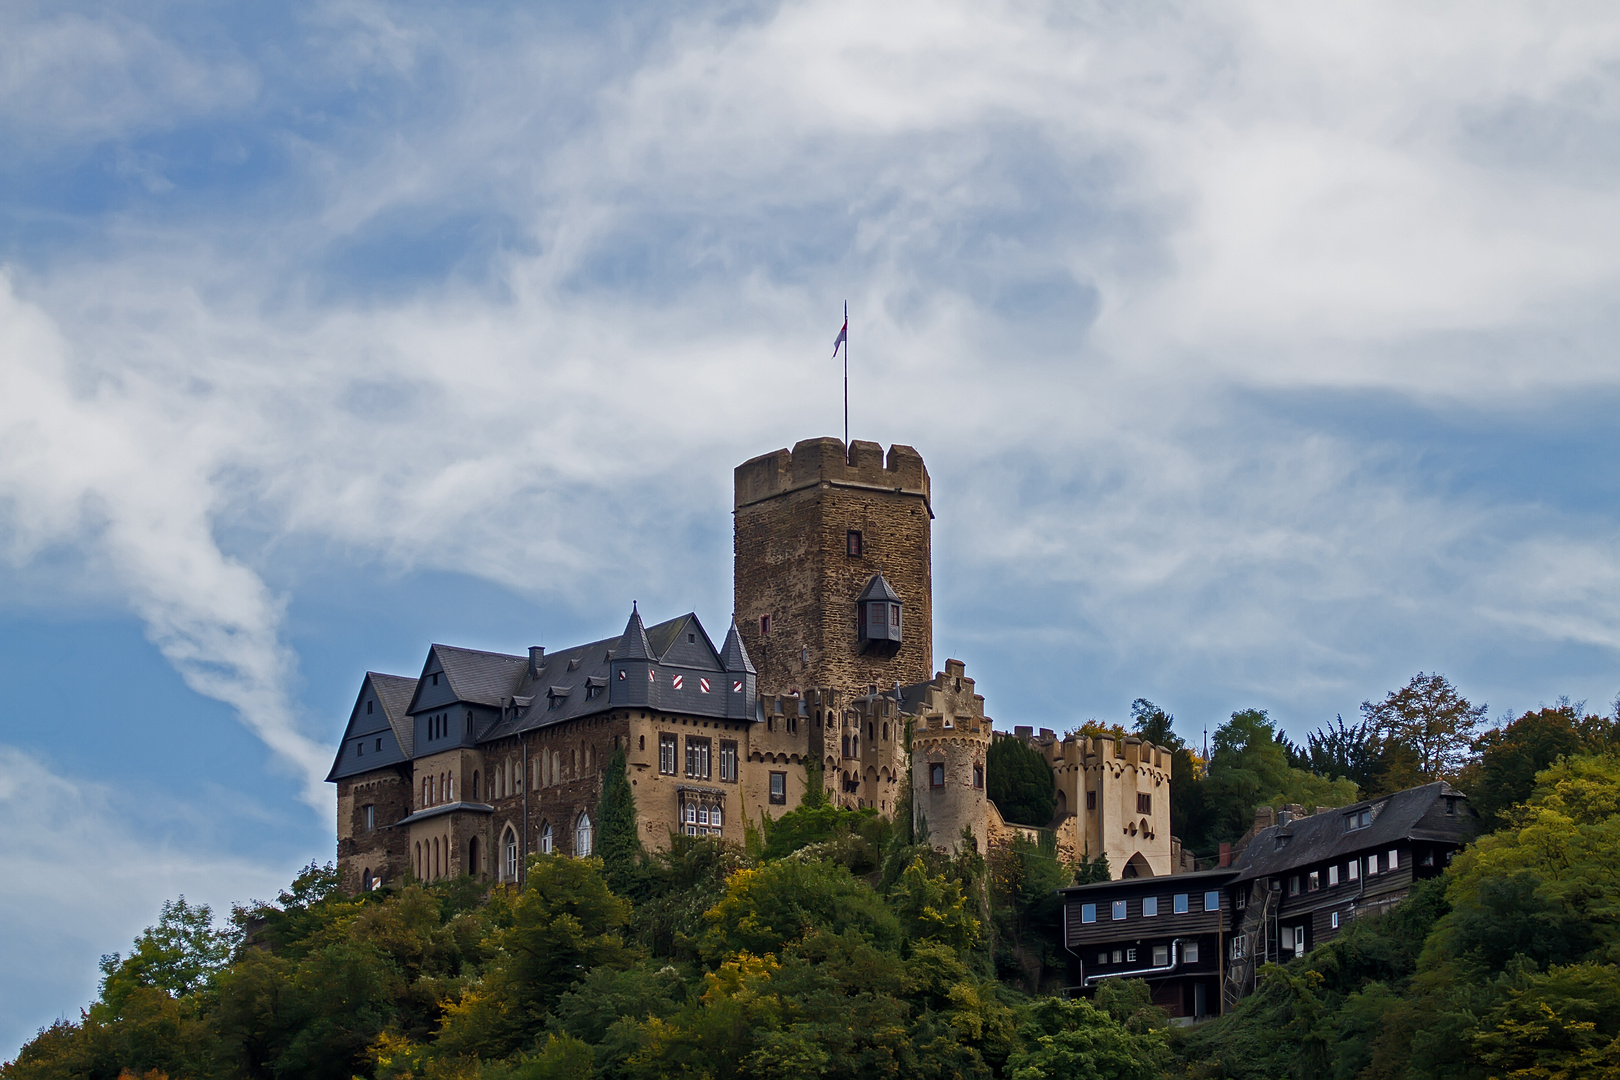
(846,376)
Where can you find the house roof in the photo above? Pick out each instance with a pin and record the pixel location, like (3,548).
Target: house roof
(1325,836)
(878,589)
(478,677)
(395,693)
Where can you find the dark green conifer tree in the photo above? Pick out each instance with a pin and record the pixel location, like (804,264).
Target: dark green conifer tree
(617,841)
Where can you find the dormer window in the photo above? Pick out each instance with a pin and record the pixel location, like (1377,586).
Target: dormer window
(877,618)
(435,678)
(369,704)
(1358,819)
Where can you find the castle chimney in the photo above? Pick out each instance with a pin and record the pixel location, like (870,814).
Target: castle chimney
(1264,818)
(1226,855)
(537,659)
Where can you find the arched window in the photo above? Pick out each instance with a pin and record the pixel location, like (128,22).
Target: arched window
(417,862)
(642,743)
(472,856)
(545,839)
(582,836)
(450,787)
(475,785)
(424,791)
(365,880)
(434,869)
(510,863)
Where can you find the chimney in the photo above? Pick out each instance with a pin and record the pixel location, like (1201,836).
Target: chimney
(1264,818)
(1226,855)
(537,660)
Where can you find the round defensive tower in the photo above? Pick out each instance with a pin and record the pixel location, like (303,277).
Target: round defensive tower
(950,738)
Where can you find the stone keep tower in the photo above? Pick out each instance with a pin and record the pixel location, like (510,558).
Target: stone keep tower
(834,585)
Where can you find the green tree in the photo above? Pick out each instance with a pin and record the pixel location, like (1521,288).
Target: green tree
(1020,783)
(179,955)
(766,908)
(1248,767)
(1064,1039)
(565,923)
(617,841)
(1429,720)
(1504,773)
(1188,797)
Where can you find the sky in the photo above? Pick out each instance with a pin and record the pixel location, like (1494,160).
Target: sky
(1262,355)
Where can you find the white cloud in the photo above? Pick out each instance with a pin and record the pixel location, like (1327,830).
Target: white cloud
(81,880)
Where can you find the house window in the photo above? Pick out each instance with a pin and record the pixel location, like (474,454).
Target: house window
(1353,870)
(1091,800)
(1360,819)
(1240,947)
(582,836)
(1189,952)
(359,749)
(371,818)
(1313,881)
(1241,900)
(1150,907)
(369,704)
(1102,958)
(546,846)
(1161,956)
(1144,803)
(1393,860)
(1372,865)
(728,762)
(764,625)
(1333,875)
(978,776)
(1088,913)
(666,754)
(1212,900)
(1130,956)
(511,855)
(379,745)
(716,818)
(435,678)
(1119,910)
(852,543)
(778,788)
(1293,885)
(1178,905)
(697,758)
(1119,957)
(1334,918)
(936,775)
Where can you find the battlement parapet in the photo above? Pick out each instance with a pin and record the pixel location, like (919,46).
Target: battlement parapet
(813,462)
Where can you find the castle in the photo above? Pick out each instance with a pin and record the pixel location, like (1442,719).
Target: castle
(824,676)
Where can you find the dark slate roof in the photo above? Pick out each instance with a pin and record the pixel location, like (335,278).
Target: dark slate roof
(481,678)
(733,654)
(634,644)
(1324,838)
(388,732)
(441,810)
(395,693)
(878,589)
(1178,882)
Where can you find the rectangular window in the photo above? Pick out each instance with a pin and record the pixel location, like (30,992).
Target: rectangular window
(1161,955)
(936,775)
(1241,900)
(1358,820)
(1091,800)
(852,543)
(666,754)
(1144,803)
(1353,871)
(371,817)
(1293,885)
(1239,949)
(1119,910)
(1287,936)
(1393,860)
(1333,876)
(1119,957)
(1189,952)
(1212,900)
(1313,881)
(779,788)
(728,762)
(1335,919)
(1179,904)
(1372,865)
(1102,958)
(1150,907)
(978,776)
(697,758)
(1130,956)
(1088,913)
(764,625)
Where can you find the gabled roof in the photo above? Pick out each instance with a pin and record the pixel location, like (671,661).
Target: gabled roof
(476,677)
(1324,837)
(387,732)
(395,693)
(878,589)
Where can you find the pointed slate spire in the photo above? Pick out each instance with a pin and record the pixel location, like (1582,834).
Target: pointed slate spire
(634,644)
(734,656)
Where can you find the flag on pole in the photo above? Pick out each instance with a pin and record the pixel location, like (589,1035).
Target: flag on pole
(842,338)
